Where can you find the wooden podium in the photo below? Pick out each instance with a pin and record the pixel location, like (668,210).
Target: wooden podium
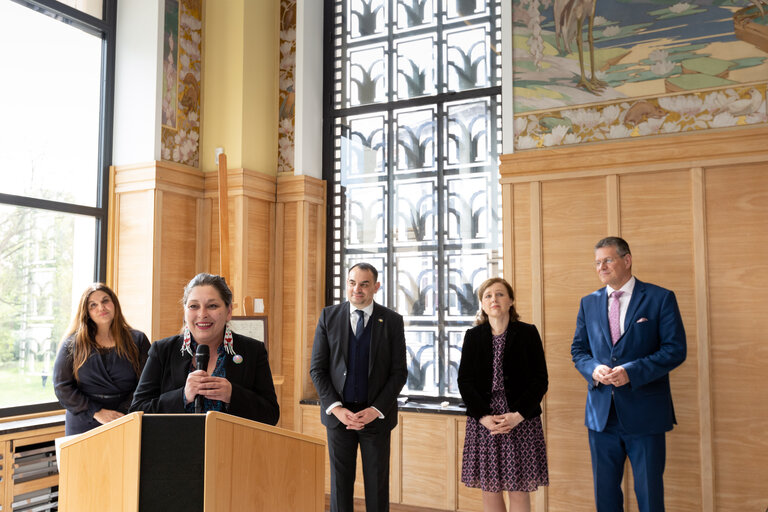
(191,462)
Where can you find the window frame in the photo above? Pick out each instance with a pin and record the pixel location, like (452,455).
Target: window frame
(104,28)
(331,113)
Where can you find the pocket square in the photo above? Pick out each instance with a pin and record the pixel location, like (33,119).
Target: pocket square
(641,320)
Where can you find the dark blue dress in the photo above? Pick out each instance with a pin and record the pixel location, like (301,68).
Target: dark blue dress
(106,382)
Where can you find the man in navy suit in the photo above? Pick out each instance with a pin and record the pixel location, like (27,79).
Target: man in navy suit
(358,368)
(625,345)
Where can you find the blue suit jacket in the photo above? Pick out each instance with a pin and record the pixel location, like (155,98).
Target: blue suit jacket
(652,345)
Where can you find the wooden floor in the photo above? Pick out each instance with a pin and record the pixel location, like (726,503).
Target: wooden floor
(360,507)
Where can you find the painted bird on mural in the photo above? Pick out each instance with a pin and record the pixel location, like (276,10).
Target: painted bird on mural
(569,25)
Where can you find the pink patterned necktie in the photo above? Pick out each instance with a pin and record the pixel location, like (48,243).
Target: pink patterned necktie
(614,314)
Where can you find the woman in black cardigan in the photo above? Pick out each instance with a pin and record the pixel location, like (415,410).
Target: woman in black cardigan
(502,380)
(238,379)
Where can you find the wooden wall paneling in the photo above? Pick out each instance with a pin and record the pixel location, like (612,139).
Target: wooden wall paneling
(289,328)
(134,253)
(517,261)
(276,327)
(175,259)
(303,198)
(701,293)
(574,216)
(157,254)
(650,154)
(508,233)
(693,208)
(6,482)
(657,221)
(310,424)
(427,437)
(301,368)
(259,253)
(612,208)
(270,297)
(737,248)
(203,235)
(539,501)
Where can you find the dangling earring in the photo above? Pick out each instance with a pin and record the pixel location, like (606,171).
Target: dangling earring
(228,340)
(186,344)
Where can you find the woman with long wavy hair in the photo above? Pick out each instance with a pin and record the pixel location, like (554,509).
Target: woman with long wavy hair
(99,362)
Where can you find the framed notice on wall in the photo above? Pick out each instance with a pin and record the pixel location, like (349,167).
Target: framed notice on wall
(252,326)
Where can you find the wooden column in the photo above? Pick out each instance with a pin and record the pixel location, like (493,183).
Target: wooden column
(299,269)
(155,242)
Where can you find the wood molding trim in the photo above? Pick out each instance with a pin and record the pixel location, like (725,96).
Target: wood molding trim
(701,293)
(300,188)
(652,154)
(243,182)
(159,175)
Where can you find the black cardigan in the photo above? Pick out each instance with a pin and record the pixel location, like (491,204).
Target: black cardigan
(524,367)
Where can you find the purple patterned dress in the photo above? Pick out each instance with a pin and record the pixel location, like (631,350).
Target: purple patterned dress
(516,461)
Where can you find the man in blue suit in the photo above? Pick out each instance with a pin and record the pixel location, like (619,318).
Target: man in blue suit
(629,336)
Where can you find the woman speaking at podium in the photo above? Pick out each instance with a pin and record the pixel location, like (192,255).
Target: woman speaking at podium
(99,362)
(236,379)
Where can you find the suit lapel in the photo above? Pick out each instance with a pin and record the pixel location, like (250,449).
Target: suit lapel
(602,303)
(638,296)
(377,333)
(345,327)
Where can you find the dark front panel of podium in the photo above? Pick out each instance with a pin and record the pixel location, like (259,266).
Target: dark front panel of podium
(172,459)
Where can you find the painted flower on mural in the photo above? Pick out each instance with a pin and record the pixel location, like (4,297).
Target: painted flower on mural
(287,88)
(679,7)
(651,126)
(619,131)
(555,138)
(586,119)
(686,105)
(285,144)
(571,138)
(181,141)
(722,120)
(610,114)
(526,142)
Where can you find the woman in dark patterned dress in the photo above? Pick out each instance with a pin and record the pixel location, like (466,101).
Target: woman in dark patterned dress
(502,380)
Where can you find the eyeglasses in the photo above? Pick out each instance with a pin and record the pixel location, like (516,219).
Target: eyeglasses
(606,261)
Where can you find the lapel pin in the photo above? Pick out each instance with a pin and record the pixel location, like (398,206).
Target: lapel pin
(237,358)
(381,320)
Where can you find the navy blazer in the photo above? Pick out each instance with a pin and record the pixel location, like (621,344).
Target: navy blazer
(524,369)
(161,386)
(387,369)
(652,345)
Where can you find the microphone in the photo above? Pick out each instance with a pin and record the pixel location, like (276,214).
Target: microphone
(201,363)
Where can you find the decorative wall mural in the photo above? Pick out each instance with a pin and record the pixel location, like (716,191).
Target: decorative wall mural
(588,70)
(182,64)
(285,136)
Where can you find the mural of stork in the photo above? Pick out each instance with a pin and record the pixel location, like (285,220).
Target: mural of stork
(569,24)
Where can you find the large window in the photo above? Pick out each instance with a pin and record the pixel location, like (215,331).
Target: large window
(413,133)
(55,140)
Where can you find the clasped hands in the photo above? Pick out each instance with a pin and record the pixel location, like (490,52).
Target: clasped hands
(501,423)
(355,420)
(610,376)
(214,388)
